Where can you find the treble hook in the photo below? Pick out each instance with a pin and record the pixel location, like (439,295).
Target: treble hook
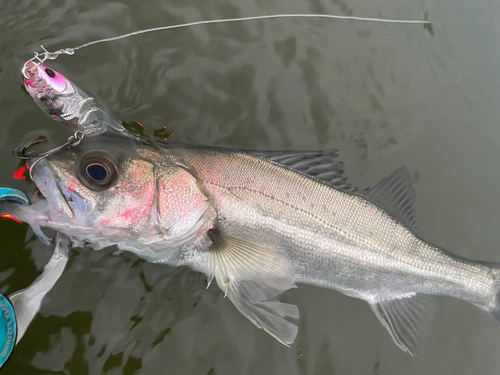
(21,151)
(73,141)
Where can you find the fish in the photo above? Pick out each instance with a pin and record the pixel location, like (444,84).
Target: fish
(259,223)
(65,102)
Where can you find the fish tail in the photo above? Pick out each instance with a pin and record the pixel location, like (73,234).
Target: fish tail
(495,311)
(492,305)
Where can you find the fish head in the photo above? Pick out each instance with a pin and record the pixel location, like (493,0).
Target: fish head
(111,191)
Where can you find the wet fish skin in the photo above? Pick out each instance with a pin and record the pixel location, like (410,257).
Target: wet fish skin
(281,200)
(257,227)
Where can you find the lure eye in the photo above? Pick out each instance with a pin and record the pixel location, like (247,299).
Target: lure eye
(50,73)
(97,171)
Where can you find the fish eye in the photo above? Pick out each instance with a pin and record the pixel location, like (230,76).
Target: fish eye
(50,73)
(97,171)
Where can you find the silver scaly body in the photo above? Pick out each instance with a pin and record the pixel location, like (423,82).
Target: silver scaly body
(332,237)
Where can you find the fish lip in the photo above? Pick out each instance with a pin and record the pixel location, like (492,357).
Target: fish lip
(45,181)
(63,197)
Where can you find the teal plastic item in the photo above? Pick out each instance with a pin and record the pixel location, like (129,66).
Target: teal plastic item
(15,195)
(8,329)
(8,324)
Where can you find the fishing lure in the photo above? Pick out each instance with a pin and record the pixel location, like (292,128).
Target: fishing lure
(65,102)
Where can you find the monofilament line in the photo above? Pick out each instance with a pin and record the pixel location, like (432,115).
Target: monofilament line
(421,22)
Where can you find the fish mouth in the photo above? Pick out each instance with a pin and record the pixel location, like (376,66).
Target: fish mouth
(50,186)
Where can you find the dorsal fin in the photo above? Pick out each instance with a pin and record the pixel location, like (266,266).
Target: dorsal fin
(322,165)
(395,195)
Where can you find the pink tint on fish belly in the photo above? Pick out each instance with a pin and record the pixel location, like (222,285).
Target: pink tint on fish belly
(131,200)
(178,197)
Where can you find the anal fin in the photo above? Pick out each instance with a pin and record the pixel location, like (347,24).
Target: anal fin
(408,320)
(252,277)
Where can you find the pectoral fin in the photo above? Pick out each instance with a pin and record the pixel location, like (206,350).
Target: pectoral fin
(251,276)
(408,320)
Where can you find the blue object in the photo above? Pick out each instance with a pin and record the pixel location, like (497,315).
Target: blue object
(15,195)
(8,329)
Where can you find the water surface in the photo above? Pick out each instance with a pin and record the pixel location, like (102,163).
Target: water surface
(384,95)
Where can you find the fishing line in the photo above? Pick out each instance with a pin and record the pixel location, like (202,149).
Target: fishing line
(39,58)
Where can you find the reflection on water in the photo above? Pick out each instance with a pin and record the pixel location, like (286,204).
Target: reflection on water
(384,95)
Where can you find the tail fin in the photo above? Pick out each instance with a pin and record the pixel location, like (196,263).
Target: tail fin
(492,306)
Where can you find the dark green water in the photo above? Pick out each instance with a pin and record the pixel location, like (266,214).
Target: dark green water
(384,95)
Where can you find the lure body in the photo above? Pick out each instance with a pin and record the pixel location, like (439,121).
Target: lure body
(65,102)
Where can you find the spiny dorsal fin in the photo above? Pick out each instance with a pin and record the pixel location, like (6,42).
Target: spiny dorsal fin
(408,320)
(395,195)
(251,276)
(322,165)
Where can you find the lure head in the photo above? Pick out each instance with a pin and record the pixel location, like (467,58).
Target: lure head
(47,86)
(53,93)
(65,102)
(44,83)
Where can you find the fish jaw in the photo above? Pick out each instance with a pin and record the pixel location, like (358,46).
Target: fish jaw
(50,187)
